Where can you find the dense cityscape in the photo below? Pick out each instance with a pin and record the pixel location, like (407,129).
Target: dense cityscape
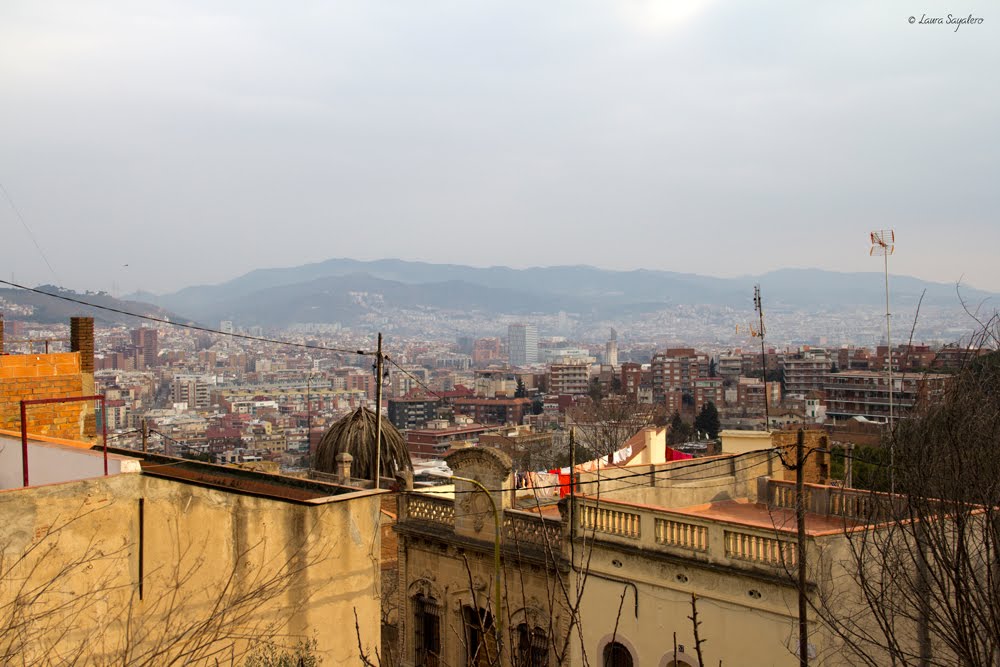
(642,333)
(236,396)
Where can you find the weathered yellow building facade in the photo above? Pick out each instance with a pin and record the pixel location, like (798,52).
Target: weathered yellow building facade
(168,561)
(625,552)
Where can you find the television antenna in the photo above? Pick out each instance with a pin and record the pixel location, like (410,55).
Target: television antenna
(763,357)
(884,243)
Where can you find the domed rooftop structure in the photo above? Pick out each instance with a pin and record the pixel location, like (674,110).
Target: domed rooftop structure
(355,434)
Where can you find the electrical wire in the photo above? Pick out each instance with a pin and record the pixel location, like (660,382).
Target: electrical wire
(413,377)
(651,475)
(123,434)
(194,327)
(20,217)
(648,475)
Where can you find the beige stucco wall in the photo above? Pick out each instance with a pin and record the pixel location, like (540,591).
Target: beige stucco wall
(737,628)
(684,483)
(216,564)
(741,442)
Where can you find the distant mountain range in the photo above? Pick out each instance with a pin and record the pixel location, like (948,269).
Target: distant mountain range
(346,290)
(49,310)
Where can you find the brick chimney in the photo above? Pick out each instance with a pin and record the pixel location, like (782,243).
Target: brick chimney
(81,339)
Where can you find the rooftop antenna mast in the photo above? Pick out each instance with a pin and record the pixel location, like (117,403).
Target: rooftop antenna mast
(763,357)
(884,244)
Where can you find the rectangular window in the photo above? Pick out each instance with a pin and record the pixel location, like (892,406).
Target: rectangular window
(427,632)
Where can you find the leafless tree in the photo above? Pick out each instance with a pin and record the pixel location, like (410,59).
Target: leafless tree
(65,602)
(927,564)
(604,426)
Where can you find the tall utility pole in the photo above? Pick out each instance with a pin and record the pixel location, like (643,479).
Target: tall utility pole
(849,465)
(800,521)
(145,434)
(884,243)
(309,416)
(378,412)
(763,357)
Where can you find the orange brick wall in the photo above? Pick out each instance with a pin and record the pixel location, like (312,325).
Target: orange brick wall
(817,465)
(32,376)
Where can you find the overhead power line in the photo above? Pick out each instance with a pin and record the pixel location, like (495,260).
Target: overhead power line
(182,325)
(414,378)
(24,223)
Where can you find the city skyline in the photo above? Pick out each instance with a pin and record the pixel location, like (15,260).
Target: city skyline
(171,144)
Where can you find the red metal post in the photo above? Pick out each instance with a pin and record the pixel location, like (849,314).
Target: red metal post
(65,399)
(104,428)
(24,443)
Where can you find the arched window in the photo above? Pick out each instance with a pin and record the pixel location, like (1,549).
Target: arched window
(616,655)
(677,661)
(532,647)
(426,632)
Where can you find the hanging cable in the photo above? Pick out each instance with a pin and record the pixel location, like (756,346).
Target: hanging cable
(194,327)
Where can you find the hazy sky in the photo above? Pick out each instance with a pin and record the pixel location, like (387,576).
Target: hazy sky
(194,141)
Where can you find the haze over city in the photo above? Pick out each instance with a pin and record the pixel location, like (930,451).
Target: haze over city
(499,333)
(168,144)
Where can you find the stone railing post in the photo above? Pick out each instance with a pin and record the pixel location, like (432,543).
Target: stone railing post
(343,467)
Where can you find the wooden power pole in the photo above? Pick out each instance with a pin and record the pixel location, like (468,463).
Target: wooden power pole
(800,521)
(378,412)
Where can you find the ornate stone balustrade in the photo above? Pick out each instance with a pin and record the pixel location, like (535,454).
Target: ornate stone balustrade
(756,548)
(519,530)
(611,521)
(526,529)
(423,507)
(681,534)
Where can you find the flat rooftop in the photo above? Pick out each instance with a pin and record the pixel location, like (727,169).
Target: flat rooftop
(239,480)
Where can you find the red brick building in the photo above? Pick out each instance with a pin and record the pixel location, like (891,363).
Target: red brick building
(494,410)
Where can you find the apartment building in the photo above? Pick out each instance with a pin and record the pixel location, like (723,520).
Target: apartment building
(494,410)
(707,390)
(195,390)
(673,372)
(750,394)
(730,365)
(522,344)
(440,436)
(569,378)
(485,350)
(407,413)
(866,393)
(146,344)
(805,371)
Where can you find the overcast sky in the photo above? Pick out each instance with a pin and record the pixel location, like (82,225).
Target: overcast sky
(194,141)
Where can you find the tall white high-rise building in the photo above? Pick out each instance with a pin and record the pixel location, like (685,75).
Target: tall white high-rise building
(611,350)
(522,344)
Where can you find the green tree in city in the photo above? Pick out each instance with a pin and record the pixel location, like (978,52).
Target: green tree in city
(707,420)
(679,431)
